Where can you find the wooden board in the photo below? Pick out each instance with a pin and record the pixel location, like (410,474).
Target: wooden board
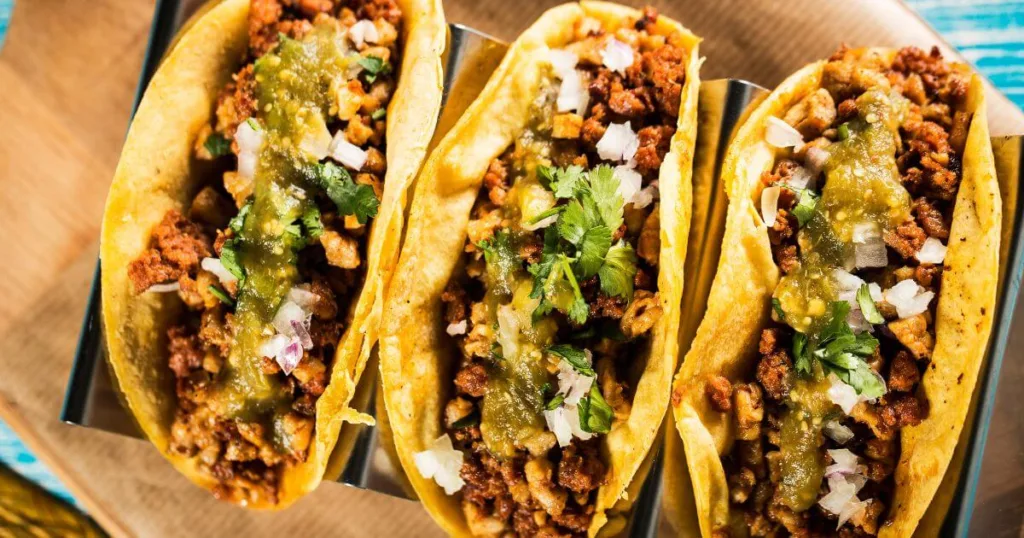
(67,77)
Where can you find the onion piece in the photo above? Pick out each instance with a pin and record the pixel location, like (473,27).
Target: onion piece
(932,251)
(868,246)
(617,56)
(562,61)
(815,158)
(442,463)
(800,178)
(843,395)
(346,152)
(837,432)
(304,298)
(573,384)
(908,298)
(780,134)
(559,422)
(845,462)
(630,182)
(573,93)
(215,266)
(289,357)
(850,510)
(363,31)
(165,287)
(619,143)
(645,197)
(456,328)
(770,204)
(302,333)
(847,281)
(249,137)
(286,314)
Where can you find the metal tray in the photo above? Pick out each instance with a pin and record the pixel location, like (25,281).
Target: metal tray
(92,401)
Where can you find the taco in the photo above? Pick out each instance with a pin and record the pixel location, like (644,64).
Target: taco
(529,335)
(252,224)
(829,381)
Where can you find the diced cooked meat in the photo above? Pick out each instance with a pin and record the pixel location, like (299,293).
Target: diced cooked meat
(472,380)
(178,246)
(719,392)
(581,469)
(454,298)
(913,333)
(641,314)
(902,411)
(930,218)
(655,142)
(186,352)
(749,410)
(496,181)
(903,372)
(906,239)
(812,114)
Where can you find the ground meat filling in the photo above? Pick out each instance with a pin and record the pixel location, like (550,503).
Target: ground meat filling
(549,490)
(933,135)
(241,455)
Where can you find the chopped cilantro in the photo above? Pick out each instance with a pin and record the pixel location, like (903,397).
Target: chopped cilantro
(229,258)
(467,421)
(777,306)
(593,249)
(496,351)
(565,182)
(577,358)
(379,114)
(546,176)
(604,188)
(555,402)
(595,413)
(840,352)
(311,222)
(238,220)
(578,310)
(844,131)
(374,66)
(217,145)
(351,199)
(221,295)
(804,209)
(618,271)
(545,214)
(867,305)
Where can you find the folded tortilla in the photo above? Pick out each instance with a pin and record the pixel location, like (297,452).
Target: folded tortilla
(417,358)
(157,173)
(727,341)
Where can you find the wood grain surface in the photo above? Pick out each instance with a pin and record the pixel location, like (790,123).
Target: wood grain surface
(67,78)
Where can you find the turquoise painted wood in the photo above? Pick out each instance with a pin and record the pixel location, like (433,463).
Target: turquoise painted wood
(990,33)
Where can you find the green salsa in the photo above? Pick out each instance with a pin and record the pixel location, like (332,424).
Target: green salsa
(802,463)
(293,90)
(862,189)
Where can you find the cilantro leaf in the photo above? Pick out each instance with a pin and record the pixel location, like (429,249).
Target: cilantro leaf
(577,358)
(311,221)
(374,66)
(841,352)
(595,413)
(217,145)
(804,208)
(545,214)
(574,222)
(578,310)
(618,271)
(555,402)
(546,176)
(777,307)
(593,248)
(238,221)
(351,199)
(867,305)
(229,258)
(568,182)
(221,295)
(604,188)
(802,358)
(379,114)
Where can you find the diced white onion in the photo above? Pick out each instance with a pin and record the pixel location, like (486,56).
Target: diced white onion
(508,331)
(456,328)
(843,395)
(564,422)
(442,463)
(908,298)
(215,266)
(166,287)
(363,31)
(846,281)
(856,320)
(573,94)
(302,333)
(932,251)
(288,358)
(573,384)
(304,298)
(841,499)
(845,462)
(770,204)
(562,61)
(645,197)
(249,138)
(346,152)
(286,314)
(617,56)
(780,134)
(850,510)
(273,345)
(837,432)
(864,232)
(870,253)
(815,159)
(800,178)
(630,182)
(619,143)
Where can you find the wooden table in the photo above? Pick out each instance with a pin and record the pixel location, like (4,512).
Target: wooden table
(67,78)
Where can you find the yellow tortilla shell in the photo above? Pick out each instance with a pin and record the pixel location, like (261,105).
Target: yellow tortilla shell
(740,302)
(417,356)
(157,173)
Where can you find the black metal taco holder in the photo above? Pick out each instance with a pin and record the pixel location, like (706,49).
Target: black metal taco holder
(92,401)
